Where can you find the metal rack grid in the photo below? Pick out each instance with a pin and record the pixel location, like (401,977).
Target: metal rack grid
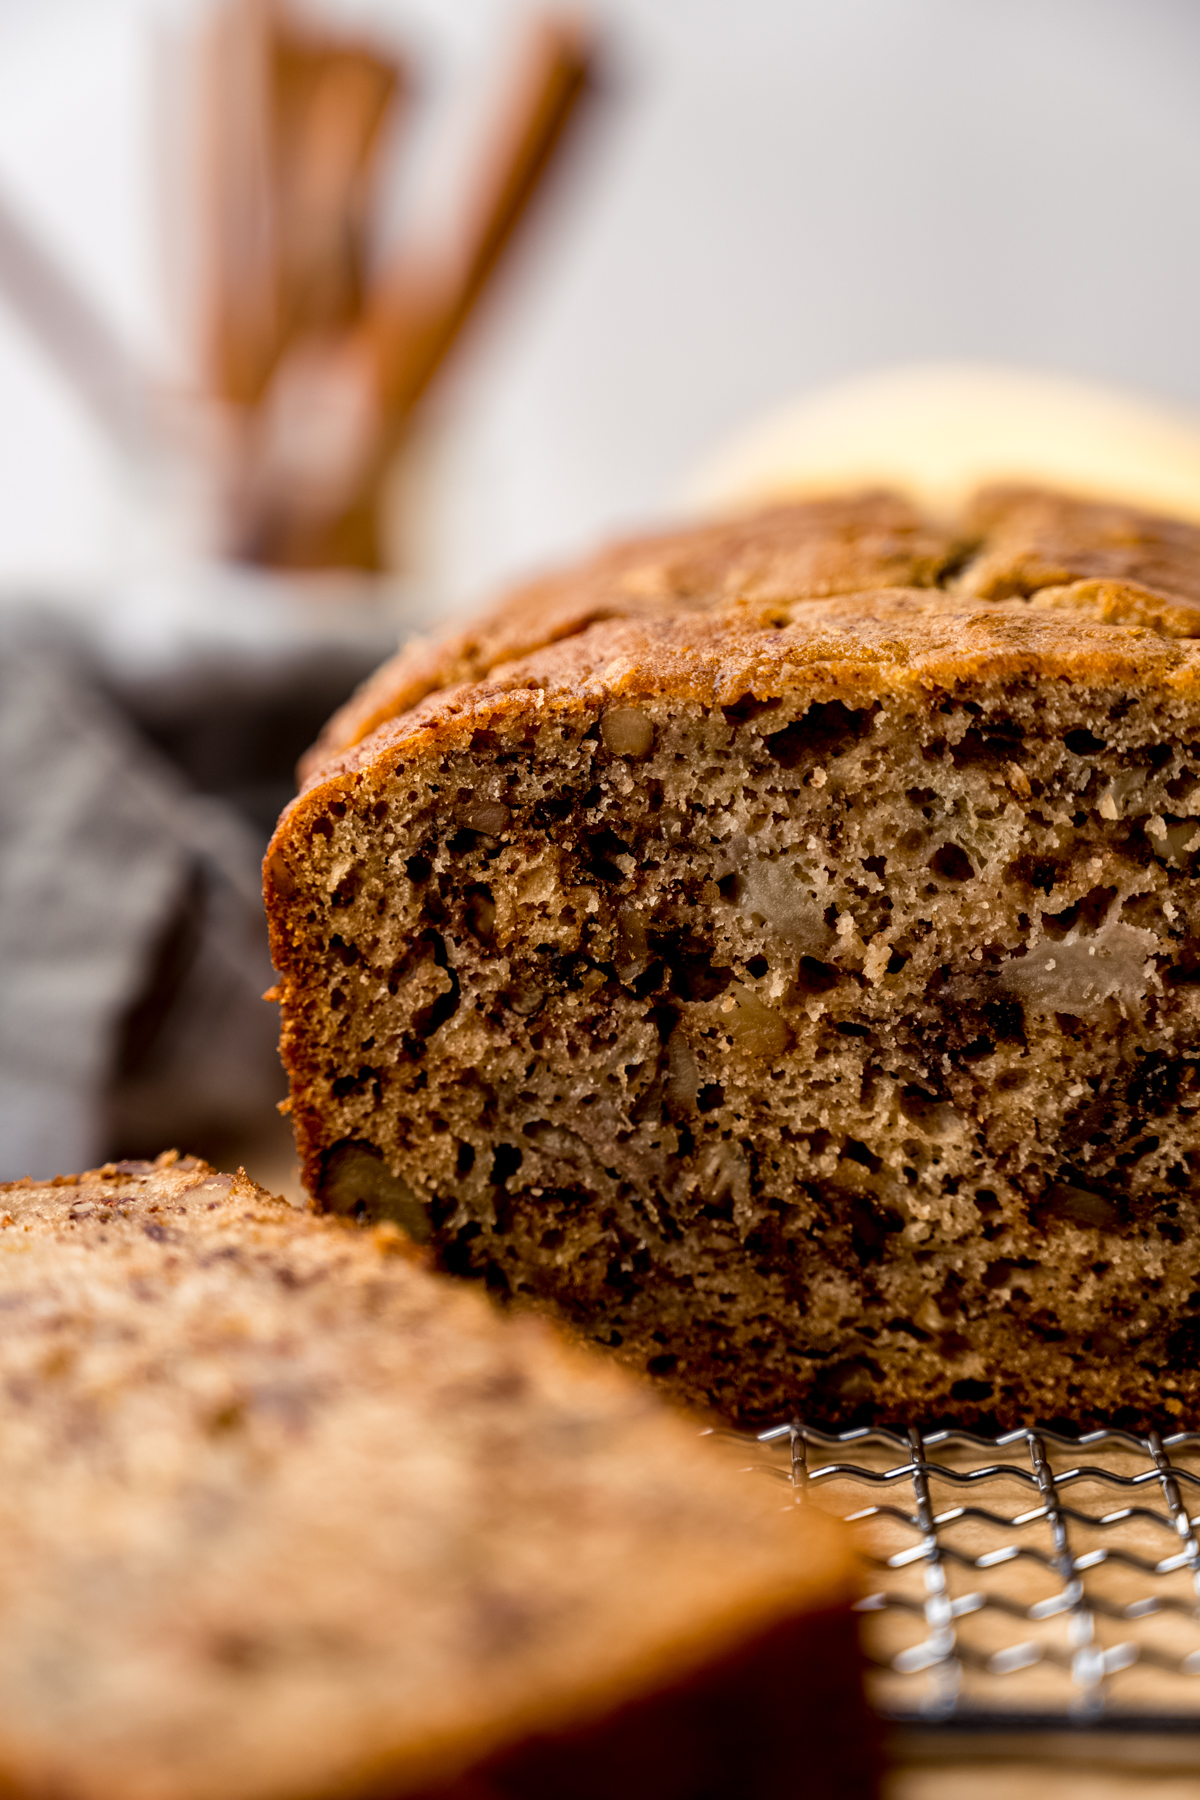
(1065,1590)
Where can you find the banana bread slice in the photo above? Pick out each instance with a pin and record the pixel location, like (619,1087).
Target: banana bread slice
(800,995)
(286,1515)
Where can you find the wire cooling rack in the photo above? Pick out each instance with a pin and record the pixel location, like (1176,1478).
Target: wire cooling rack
(1031,1580)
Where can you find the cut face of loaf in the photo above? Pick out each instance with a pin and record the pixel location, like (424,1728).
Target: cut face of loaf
(805,1005)
(284,1516)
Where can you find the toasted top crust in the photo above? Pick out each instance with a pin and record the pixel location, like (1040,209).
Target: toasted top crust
(1029,539)
(284,1514)
(811,548)
(1017,547)
(854,648)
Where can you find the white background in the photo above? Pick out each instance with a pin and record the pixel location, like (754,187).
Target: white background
(775,193)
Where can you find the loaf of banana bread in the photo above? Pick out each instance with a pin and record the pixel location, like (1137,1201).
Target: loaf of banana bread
(775,950)
(285,1515)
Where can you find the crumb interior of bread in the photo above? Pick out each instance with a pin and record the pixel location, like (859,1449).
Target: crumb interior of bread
(823,1053)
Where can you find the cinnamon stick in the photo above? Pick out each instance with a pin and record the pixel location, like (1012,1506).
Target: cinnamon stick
(419,308)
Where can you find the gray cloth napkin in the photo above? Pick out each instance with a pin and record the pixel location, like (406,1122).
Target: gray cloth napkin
(132,946)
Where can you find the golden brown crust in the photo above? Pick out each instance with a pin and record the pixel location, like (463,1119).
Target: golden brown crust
(1121,603)
(1030,539)
(321,1523)
(1103,561)
(903,641)
(778,556)
(1106,602)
